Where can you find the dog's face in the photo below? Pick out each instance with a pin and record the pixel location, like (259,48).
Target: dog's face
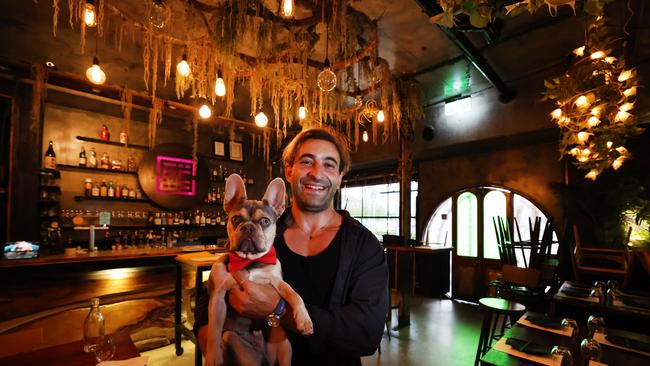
(251,224)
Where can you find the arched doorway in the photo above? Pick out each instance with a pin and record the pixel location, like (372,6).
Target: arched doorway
(465,221)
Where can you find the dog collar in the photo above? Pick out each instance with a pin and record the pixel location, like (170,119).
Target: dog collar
(235,262)
(273,319)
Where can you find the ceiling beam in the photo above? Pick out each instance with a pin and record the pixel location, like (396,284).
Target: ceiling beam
(506,93)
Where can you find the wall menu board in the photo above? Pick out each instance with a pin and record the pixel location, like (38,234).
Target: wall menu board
(171,179)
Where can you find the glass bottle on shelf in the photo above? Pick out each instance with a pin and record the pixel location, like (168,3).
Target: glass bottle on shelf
(125,192)
(157,220)
(111,189)
(92,159)
(197,218)
(105,163)
(103,189)
(104,134)
(88,187)
(132,193)
(82,157)
(130,164)
(93,326)
(95,191)
(202,219)
(50,157)
(124,138)
(118,191)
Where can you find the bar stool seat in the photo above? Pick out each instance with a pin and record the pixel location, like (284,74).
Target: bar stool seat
(493,308)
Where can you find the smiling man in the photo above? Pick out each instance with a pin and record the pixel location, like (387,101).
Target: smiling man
(334,263)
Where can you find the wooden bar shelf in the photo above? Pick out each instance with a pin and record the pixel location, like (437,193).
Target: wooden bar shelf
(112,143)
(99,170)
(113,199)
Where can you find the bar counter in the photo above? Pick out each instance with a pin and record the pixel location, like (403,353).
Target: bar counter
(135,286)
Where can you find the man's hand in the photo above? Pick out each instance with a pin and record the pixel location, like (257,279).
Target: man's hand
(252,300)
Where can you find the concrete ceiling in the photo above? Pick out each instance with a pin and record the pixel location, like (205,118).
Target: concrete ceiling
(407,40)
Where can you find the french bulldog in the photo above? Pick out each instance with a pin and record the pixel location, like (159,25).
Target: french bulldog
(233,339)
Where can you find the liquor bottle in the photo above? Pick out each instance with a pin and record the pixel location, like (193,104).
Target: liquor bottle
(130,164)
(157,220)
(50,157)
(125,192)
(197,218)
(82,157)
(170,219)
(202,220)
(95,190)
(188,220)
(88,187)
(105,162)
(93,327)
(104,134)
(103,189)
(132,194)
(111,189)
(124,138)
(92,160)
(118,191)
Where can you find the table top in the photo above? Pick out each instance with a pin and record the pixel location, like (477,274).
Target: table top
(590,303)
(419,249)
(71,354)
(501,305)
(611,356)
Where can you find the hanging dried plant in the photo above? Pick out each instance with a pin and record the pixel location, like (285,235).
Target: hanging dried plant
(55,16)
(155,119)
(71,11)
(82,39)
(195,142)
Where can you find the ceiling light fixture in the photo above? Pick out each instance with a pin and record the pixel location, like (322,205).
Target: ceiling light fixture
(158,14)
(458,105)
(220,85)
(261,120)
(380,116)
(326,79)
(286,8)
(50,64)
(183,68)
(90,14)
(302,111)
(95,74)
(205,111)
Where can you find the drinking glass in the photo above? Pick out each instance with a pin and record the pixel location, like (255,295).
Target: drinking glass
(612,285)
(595,324)
(564,353)
(590,350)
(105,349)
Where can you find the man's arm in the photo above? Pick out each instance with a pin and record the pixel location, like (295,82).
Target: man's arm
(355,329)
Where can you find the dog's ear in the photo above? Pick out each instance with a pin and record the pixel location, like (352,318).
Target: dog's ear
(275,194)
(235,192)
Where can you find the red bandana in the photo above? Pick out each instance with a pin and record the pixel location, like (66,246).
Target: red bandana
(235,262)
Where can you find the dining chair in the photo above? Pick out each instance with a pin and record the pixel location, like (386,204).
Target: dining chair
(395,301)
(504,241)
(600,262)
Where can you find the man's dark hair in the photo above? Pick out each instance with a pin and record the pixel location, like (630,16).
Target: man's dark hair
(319,133)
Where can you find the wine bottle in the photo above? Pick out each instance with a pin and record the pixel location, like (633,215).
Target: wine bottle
(50,157)
(82,157)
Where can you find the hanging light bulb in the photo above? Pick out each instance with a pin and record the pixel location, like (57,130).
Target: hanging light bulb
(556,114)
(580,51)
(625,75)
(630,91)
(626,107)
(597,55)
(90,15)
(158,14)
(205,111)
(583,136)
(365,136)
(593,174)
(95,73)
(302,111)
(326,78)
(286,8)
(581,102)
(261,120)
(609,144)
(220,86)
(593,121)
(183,68)
(380,116)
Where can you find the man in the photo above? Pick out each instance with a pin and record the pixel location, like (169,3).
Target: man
(336,265)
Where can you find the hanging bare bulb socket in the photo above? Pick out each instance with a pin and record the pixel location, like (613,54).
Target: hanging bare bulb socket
(220,85)
(205,111)
(183,68)
(327,78)
(358,100)
(380,116)
(302,111)
(261,120)
(287,9)
(158,14)
(95,74)
(90,13)
(365,136)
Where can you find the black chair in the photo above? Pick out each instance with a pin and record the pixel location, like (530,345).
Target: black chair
(504,241)
(494,310)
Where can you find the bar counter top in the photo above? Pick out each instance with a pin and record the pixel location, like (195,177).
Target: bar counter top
(103,256)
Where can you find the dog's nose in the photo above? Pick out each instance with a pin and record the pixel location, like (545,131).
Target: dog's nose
(247,228)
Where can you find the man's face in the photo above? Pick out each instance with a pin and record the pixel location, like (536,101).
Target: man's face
(314,176)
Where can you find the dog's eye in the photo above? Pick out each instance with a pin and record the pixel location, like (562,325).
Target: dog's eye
(265,221)
(235,220)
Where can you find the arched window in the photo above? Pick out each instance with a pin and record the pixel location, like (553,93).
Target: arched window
(480,205)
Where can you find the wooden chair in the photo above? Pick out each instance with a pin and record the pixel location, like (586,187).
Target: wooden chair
(522,285)
(601,262)
(504,241)
(395,301)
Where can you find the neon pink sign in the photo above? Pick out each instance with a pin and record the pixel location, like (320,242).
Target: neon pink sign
(175,176)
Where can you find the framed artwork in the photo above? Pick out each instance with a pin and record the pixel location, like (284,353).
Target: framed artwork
(219,148)
(236,151)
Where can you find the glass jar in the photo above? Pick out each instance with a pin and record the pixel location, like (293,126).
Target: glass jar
(88,187)
(105,162)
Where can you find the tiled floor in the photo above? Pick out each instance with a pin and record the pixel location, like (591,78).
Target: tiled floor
(442,332)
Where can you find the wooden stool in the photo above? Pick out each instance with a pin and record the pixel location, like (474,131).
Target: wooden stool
(492,309)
